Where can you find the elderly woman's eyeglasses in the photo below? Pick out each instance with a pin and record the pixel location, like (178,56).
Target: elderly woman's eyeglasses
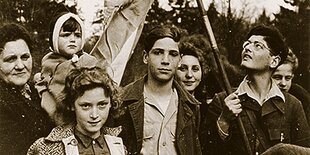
(257,45)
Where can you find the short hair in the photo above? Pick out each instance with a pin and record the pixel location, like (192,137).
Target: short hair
(160,32)
(12,32)
(82,79)
(292,60)
(274,39)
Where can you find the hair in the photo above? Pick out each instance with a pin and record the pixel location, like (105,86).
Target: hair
(286,149)
(160,32)
(274,39)
(82,79)
(70,25)
(292,60)
(12,32)
(187,48)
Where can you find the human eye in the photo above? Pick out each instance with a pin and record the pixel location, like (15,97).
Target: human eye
(174,53)
(157,51)
(78,34)
(259,45)
(195,68)
(64,34)
(25,57)
(245,44)
(277,77)
(10,59)
(288,78)
(85,106)
(182,68)
(102,104)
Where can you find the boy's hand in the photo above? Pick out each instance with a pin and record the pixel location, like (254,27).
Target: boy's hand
(232,107)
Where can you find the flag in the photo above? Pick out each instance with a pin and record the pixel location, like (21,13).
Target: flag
(116,44)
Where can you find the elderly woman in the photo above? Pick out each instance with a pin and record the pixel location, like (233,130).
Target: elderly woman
(22,120)
(91,99)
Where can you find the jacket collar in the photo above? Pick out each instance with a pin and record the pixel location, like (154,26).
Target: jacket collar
(244,88)
(135,91)
(65,131)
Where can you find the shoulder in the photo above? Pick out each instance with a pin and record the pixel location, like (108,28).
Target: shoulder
(43,146)
(134,90)
(185,95)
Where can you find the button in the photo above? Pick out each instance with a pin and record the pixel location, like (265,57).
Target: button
(94,142)
(164,143)
(74,142)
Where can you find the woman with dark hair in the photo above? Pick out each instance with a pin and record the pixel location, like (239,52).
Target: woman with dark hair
(22,120)
(89,101)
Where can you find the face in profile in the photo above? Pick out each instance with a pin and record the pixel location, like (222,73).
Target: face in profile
(189,72)
(283,77)
(92,110)
(69,42)
(162,59)
(15,63)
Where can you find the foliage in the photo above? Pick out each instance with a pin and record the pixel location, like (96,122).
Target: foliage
(229,29)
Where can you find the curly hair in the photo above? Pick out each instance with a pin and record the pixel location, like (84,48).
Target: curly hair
(291,59)
(82,79)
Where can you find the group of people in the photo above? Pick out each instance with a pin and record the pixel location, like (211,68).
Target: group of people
(74,107)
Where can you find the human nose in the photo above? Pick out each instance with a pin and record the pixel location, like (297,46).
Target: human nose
(19,64)
(165,59)
(94,113)
(72,38)
(283,82)
(189,74)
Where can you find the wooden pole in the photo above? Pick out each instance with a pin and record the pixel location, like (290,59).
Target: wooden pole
(222,71)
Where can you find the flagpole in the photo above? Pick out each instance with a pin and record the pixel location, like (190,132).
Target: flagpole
(222,71)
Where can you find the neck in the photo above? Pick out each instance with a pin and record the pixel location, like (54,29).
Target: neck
(159,88)
(260,83)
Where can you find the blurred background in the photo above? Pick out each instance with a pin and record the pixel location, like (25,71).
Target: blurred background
(230,20)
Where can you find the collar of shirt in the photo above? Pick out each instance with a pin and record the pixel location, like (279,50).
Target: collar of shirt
(244,88)
(151,100)
(86,141)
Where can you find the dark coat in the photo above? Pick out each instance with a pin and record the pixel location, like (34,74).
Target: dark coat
(22,121)
(273,118)
(188,119)
(303,95)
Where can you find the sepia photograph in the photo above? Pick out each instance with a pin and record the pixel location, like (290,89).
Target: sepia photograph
(154,77)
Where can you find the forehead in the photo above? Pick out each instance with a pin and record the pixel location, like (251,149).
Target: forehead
(166,44)
(258,38)
(284,68)
(93,95)
(189,60)
(15,47)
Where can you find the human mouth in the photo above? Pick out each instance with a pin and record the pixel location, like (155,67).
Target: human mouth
(246,56)
(164,70)
(188,83)
(94,123)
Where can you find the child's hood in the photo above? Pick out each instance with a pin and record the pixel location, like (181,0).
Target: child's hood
(56,25)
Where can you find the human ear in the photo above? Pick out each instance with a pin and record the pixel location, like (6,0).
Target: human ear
(275,61)
(145,56)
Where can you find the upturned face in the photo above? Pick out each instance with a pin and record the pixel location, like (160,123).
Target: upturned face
(256,54)
(162,60)
(283,77)
(189,72)
(69,43)
(92,111)
(15,63)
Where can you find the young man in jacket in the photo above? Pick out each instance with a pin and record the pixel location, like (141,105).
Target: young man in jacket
(160,116)
(269,116)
